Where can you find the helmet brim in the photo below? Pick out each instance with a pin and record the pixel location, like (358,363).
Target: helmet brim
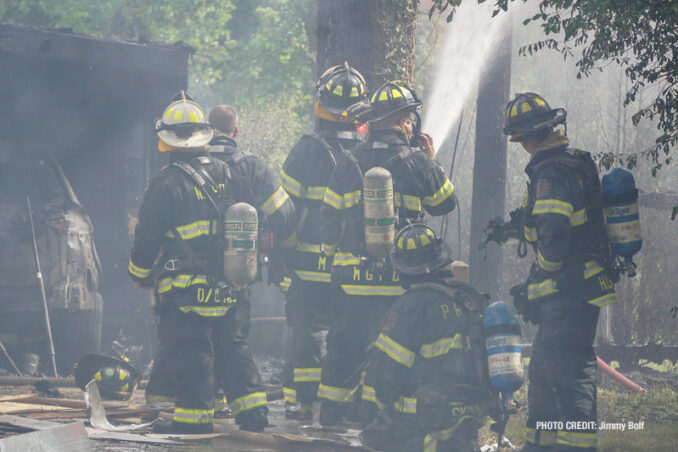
(376,116)
(520,131)
(424,268)
(201,137)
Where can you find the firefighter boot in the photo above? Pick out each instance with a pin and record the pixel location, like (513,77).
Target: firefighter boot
(331,413)
(298,411)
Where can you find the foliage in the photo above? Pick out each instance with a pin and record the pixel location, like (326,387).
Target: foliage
(639,36)
(249,55)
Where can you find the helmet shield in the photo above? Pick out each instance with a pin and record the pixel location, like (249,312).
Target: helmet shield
(419,252)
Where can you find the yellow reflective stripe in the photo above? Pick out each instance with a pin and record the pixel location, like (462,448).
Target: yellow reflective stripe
(442,346)
(285,284)
(308,247)
(220,403)
(351,199)
(343,259)
(307,374)
(205,311)
(406,405)
(290,395)
(274,202)
(139,272)
(542,289)
(530,234)
(195,229)
(329,249)
(391,291)
(548,265)
(592,268)
(313,276)
(248,402)
(333,199)
(181,281)
(576,439)
(291,185)
(543,206)
(290,241)
(369,394)
(316,193)
(335,393)
(431,440)
(578,218)
(441,195)
(411,202)
(604,300)
(394,350)
(190,416)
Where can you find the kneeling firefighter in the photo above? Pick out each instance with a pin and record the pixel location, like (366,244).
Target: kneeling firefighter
(570,280)
(305,175)
(180,249)
(428,365)
(376,189)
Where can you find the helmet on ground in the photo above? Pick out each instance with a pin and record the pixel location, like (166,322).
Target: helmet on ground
(418,251)
(337,89)
(117,379)
(391,98)
(183,124)
(528,113)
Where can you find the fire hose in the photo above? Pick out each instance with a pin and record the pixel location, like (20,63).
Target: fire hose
(619,378)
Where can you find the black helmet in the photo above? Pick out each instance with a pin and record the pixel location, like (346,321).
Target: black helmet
(340,87)
(117,379)
(418,251)
(391,98)
(528,113)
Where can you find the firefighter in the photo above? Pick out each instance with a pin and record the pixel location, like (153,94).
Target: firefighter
(570,279)
(367,286)
(177,250)
(423,363)
(304,176)
(273,204)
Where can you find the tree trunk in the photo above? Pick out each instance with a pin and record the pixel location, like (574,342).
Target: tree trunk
(376,37)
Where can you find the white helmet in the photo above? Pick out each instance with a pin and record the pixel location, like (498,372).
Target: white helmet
(183,124)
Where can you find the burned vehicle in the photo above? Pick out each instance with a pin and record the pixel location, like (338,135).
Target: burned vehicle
(68,261)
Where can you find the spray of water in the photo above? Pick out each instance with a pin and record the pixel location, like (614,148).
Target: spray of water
(467,45)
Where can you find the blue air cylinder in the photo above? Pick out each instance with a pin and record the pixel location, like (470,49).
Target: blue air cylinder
(502,340)
(620,197)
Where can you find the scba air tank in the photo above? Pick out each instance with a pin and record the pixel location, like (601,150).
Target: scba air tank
(240,250)
(621,214)
(502,340)
(379,212)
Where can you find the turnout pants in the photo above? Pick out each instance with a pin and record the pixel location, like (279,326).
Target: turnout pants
(308,313)
(191,344)
(562,392)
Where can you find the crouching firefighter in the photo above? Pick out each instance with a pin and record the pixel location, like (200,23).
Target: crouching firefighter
(571,277)
(379,187)
(305,175)
(180,249)
(428,365)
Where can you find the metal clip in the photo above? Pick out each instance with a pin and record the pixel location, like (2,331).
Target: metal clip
(171,265)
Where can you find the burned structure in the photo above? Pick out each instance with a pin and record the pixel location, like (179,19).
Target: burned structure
(79,115)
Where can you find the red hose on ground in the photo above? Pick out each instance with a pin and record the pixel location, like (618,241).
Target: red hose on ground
(619,378)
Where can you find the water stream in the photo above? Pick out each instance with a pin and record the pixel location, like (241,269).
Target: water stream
(467,44)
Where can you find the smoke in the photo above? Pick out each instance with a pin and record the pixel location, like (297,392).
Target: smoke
(468,43)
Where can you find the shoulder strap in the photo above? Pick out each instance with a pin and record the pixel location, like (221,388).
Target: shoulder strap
(323,142)
(200,177)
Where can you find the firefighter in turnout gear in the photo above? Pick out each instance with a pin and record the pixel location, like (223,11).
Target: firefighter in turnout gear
(178,251)
(273,204)
(304,176)
(570,280)
(367,286)
(428,364)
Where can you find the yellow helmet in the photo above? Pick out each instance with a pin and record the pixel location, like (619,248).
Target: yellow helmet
(183,124)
